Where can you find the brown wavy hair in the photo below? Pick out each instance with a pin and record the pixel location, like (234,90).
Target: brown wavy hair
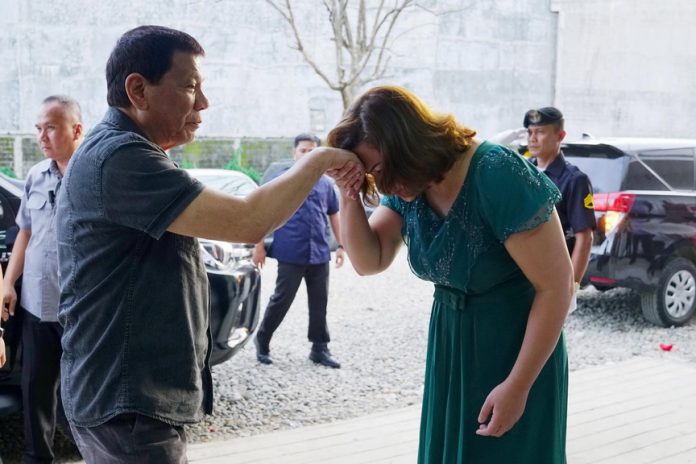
(418,146)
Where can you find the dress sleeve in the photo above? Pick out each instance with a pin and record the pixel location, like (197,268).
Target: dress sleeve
(515,195)
(394,203)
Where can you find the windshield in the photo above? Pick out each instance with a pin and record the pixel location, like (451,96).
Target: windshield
(233,185)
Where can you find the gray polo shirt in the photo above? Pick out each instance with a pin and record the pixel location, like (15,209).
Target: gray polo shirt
(37,213)
(134,297)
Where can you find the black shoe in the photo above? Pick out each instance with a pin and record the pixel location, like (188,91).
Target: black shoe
(262,354)
(324,358)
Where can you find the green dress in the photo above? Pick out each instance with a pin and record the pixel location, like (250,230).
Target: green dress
(479,315)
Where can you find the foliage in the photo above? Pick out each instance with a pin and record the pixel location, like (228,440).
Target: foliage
(188,164)
(234,164)
(190,155)
(8,171)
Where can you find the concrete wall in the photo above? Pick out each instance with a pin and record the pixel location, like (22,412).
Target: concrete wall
(486,61)
(615,67)
(627,67)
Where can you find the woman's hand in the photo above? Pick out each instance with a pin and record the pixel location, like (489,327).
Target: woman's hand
(349,185)
(502,409)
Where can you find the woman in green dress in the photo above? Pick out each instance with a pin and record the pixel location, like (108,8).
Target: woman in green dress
(479,222)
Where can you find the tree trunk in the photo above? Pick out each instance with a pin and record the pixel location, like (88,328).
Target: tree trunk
(348,94)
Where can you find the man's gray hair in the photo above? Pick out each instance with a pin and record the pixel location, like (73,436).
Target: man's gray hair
(70,104)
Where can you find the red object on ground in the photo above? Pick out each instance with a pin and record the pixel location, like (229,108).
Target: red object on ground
(666,347)
(213,428)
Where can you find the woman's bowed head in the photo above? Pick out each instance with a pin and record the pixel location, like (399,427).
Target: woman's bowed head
(405,146)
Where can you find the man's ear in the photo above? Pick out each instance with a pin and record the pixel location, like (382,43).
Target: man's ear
(77,131)
(135,89)
(561,135)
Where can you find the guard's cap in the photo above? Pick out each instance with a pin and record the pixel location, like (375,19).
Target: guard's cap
(542,116)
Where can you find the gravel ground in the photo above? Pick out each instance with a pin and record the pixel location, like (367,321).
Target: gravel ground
(379,327)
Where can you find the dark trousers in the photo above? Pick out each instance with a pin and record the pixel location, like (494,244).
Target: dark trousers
(41,387)
(132,439)
(316,278)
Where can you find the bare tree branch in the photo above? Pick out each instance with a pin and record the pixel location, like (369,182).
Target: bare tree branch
(409,30)
(376,23)
(444,12)
(362,25)
(394,14)
(290,18)
(358,44)
(279,10)
(346,30)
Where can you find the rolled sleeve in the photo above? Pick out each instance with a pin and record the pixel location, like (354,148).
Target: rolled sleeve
(145,190)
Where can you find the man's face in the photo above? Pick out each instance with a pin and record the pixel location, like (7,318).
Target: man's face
(303,148)
(57,131)
(175,103)
(544,141)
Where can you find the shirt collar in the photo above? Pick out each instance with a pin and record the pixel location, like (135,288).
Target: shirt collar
(556,167)
(52,168)
(122,121)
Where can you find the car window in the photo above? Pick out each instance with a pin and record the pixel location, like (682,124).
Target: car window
(639,178)
(604,165)
(676,167)
(274,169)
(9,205)
(604,173)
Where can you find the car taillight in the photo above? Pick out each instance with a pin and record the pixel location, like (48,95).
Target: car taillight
(615,206)
(616,201)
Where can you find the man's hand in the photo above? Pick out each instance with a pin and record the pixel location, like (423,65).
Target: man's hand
(259,255)
(501,410)
(9,301)
(347,171)
(340,255)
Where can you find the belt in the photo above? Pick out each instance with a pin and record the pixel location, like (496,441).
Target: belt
(452,297)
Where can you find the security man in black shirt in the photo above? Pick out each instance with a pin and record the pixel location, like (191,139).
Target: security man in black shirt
(576,209)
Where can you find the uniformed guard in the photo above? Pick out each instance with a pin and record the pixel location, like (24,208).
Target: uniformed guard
(545,133)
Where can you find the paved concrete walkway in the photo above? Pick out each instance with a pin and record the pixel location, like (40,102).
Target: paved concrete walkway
(635,412)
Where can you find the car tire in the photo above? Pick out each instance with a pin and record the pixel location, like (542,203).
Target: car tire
(673,303)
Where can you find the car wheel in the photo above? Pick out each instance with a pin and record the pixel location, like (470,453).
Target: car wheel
(673,303)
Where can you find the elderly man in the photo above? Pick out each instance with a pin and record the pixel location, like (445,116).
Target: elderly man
(35,256)
(134,294)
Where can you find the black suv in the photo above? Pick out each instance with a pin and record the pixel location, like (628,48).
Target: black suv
(235,286)
(645,204)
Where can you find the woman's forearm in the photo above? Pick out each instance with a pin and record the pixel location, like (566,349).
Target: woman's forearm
(544,326)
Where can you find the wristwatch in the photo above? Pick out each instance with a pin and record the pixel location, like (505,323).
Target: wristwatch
(339,246)
(2,332)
